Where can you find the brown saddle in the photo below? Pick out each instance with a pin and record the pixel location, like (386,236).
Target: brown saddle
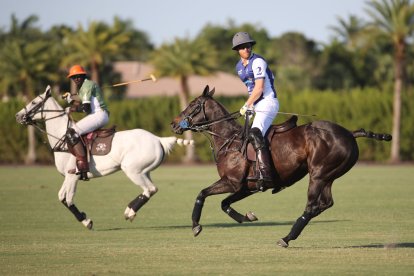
(99,142)
(279,128)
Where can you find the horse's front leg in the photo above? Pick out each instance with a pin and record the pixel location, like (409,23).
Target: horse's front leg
(219,187)
(66,195)
(239,195)
(80,216)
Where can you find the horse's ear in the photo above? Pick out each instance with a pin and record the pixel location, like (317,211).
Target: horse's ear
(211,93)
(48,91)
(206,91)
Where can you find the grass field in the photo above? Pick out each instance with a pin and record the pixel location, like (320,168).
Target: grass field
(368,231)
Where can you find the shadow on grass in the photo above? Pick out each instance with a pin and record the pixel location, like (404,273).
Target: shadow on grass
(387,245)
(217,225)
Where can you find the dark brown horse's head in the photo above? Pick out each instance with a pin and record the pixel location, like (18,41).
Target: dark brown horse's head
(195,114)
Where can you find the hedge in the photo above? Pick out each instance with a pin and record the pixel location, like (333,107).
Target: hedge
(369,108)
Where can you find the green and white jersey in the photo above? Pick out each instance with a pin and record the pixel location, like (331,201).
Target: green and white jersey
(92,94)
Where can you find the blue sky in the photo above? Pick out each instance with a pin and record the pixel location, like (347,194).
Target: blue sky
(164,20)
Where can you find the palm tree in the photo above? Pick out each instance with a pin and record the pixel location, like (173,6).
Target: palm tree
(349,32)
(24,62)
(96,45)
(395,20)
(180,60)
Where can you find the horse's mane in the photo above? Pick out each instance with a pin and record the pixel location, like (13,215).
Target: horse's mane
(224,112)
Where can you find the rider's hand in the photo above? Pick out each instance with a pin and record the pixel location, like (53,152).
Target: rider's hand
(245,109)
(68,97)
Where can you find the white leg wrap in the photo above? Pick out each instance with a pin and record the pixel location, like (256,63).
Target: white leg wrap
(87,223)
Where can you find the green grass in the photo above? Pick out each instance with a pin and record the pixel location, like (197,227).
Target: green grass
(368,231)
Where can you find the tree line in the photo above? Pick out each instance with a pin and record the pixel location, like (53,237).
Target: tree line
(375,53)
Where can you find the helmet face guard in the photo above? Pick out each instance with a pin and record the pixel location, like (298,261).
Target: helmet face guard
(242,38)
(76,70)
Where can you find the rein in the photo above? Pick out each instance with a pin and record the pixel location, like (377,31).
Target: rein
(203,127)
(28,117)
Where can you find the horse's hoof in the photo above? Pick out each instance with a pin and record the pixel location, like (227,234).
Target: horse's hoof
(88,223)
(126,213)
(250,216)
(131,215)
(282,243)
(196,230)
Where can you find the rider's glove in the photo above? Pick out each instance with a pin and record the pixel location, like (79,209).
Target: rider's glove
(68,97)
(245,109)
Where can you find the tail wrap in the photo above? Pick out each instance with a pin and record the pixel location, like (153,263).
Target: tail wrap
(369,134)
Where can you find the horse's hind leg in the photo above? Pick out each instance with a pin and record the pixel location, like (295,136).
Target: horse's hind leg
(225,206)
(319,199)
(149,189)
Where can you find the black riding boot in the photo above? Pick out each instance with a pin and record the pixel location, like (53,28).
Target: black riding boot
(263,172)
(77,148)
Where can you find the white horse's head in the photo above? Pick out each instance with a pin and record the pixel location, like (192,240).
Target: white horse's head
(37,109)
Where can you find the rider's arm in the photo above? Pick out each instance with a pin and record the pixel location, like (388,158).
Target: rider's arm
(80,107)
(259,67)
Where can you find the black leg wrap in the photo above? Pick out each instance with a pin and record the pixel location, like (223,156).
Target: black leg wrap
(138,202)
(299,225)
(75,211)
(231,212)
(234,215)
(198,207)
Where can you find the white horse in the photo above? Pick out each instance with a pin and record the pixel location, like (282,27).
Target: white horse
(137,152)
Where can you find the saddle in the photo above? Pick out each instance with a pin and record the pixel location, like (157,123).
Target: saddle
(274,129)
(99,142)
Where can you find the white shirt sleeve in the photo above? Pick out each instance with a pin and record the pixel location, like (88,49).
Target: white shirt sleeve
(259,67)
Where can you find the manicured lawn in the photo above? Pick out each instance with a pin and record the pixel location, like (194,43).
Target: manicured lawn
(368,231)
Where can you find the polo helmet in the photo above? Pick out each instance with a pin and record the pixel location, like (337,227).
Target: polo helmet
(242,38)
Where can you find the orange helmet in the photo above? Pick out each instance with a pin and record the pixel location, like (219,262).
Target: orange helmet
(76,70)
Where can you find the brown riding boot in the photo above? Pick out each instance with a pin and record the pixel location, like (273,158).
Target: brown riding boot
(81,161)
(77,148)
(263,172)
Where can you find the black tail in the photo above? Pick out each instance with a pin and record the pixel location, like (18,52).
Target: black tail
(369,134)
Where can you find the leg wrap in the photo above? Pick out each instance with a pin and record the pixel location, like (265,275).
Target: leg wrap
(198,207)
(299,226)
(138,202)
(75,211)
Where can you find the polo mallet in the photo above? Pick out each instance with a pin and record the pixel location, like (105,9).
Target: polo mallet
(151,77)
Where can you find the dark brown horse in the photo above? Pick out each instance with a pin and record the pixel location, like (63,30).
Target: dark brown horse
(323,149)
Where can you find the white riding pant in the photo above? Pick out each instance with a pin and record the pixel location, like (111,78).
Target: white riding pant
(265,112)
(91,122)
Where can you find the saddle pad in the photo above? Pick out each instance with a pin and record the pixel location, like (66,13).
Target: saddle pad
(101,145)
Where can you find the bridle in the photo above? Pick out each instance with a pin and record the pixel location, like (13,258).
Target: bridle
(204,127)
(39,108)
(187,122)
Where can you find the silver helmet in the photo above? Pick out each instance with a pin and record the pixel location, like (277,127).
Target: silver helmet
(242,38)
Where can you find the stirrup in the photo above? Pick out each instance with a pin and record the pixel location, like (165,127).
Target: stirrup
(260,185)
(83,176)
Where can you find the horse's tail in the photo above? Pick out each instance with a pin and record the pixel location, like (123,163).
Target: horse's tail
(169,142)
(369,134)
